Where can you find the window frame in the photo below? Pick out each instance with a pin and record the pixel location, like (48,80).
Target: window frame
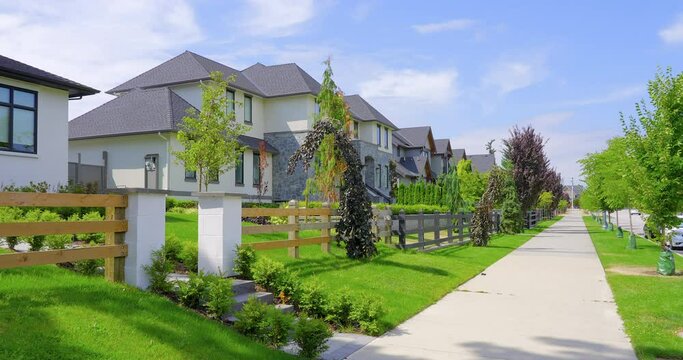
(231,103)
(386,137)
(12,106)
(379,135)
(388,176)
(240,163)
(251,109)
(256,168)
(191,178)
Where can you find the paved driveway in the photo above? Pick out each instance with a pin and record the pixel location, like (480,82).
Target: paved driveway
(549,299)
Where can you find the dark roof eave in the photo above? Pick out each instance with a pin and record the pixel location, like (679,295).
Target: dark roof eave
(74,91)
(115,91)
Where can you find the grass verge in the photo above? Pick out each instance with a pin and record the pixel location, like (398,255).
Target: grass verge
(406,281)
(651,306)
(51,313)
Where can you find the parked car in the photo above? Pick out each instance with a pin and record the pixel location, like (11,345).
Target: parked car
(675,233)
(635,212)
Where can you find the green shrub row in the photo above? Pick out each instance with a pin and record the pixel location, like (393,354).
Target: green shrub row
(64,212)
(172,202)
(419,193)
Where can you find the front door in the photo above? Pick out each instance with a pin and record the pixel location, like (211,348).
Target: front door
(151,174)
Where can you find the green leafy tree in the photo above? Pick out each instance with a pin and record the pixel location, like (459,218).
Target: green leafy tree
(472,184)
(545,200)
(512,221)
(209,138)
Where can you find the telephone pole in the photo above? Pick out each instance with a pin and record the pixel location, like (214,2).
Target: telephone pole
(572,198)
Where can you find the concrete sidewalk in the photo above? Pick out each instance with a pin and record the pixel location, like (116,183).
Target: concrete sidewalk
(549,299)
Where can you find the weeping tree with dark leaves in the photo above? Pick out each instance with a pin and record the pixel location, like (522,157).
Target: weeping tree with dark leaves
(525,151)
(482,221)
(353,229)
(553,184)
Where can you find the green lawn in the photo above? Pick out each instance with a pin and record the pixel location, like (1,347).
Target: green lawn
(651,307)
(406,281)
(51,313)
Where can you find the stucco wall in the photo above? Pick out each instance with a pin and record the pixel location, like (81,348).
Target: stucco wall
(50,162)
(291,113)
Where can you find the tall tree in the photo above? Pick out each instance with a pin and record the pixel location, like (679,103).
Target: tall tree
(210,137)
(525,151)
(472,184)
(480,230)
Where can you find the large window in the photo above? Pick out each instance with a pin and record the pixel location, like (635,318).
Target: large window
(388,176)
(256,165)
(230,94)
(18,119)
(355,130)
(239,170)
(247,109)
(386,138)
(378,175)
(379,135)
(190,175)
(213,175)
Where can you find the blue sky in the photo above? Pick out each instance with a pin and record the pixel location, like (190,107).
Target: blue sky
(470,69)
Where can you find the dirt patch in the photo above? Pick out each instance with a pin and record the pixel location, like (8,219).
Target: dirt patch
(637,270)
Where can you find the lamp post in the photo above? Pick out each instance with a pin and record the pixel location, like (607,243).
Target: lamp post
(572,197)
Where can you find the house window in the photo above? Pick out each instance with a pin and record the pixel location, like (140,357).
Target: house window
(379,135)
(18,119)
(230,94)
(256,165)
(355,129)
(388,176)
(190,175)
(239,170)
(247,109)
(386,138)
(378,175)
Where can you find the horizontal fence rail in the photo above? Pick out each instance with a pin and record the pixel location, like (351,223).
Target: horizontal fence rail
(114,226)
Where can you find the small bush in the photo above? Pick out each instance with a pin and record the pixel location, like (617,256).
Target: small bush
(278,327)
(173,247)
(92,238)
(158,272)
(251,320)
(366,312)
(219,298)
(8,215)
(339,309)
(312,300)
(189,256)
(58,241)
(311,335)
(265,272)
(176,203)
(244,261)
(287,285)
(89,267)
(192,293)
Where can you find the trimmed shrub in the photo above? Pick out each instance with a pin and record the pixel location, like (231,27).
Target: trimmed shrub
(266,271)
(92,238)
(89,267)
(7,215)
(177,203)
(219,298)
(311,335)
(339,309)
(37,241)
(251,320)
(58,241)
(173,247)
(312,300)
(158,272)
(244,261)
(189,256)
(366,312)
(278,327)
(287,285)
(415,209)
(193,293)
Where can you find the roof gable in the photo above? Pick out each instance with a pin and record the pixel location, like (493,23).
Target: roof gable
(482,162)
(281,80)
(362,110)
(420,136)
(443,146)
(17,70)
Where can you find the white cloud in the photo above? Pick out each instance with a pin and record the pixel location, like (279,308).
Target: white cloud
(673,34)
(451,25)
(97,43)
(625,93)
(509,76)
(547,120)
(422,86)
(277,18)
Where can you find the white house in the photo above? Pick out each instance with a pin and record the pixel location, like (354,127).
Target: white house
(34,110)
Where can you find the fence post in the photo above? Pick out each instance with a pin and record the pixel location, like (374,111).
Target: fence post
(387,225)
(437,228)
(220,231)
(325,232)
(114,268)
(146,214)
(421,229)
(374,222)
(293,234)
(402,229)
(449,218)
(461,227)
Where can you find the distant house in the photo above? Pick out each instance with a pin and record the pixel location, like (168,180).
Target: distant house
(441,160)
(34,113)
(458,155)
(413,151)
(567,190)
(482,162)
(372,135)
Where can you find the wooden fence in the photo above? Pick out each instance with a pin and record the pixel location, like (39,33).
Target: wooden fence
(114,226)
(456,226)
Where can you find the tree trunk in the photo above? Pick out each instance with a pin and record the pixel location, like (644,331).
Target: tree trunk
(617,212)
(630,220)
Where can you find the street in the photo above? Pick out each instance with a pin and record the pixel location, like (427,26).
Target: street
(638,223)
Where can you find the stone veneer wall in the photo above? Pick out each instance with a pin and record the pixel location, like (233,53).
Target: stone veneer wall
(381,158)
(287,187)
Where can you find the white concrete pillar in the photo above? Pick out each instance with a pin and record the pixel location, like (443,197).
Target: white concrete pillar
(220,231)
(146,215)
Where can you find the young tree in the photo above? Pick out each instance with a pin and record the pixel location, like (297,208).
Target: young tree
(450,193)
(262,186)
(655,141)
(512,221)
(525,151)
(481,220)
(545,200)
(472,184)
(209,138)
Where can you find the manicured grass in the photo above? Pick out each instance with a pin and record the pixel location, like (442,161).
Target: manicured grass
(51,313)
(651,306)
(406,281)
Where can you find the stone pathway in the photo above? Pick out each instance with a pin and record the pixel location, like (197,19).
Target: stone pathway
(549,299)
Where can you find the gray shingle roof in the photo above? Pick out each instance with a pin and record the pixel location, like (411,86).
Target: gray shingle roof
(186,67)
(140,112)
(482,162)
(363,111)
(20,71)
(281,80)
(400,140)
(459,154)
(419,136)
(443,146)
(405,172)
